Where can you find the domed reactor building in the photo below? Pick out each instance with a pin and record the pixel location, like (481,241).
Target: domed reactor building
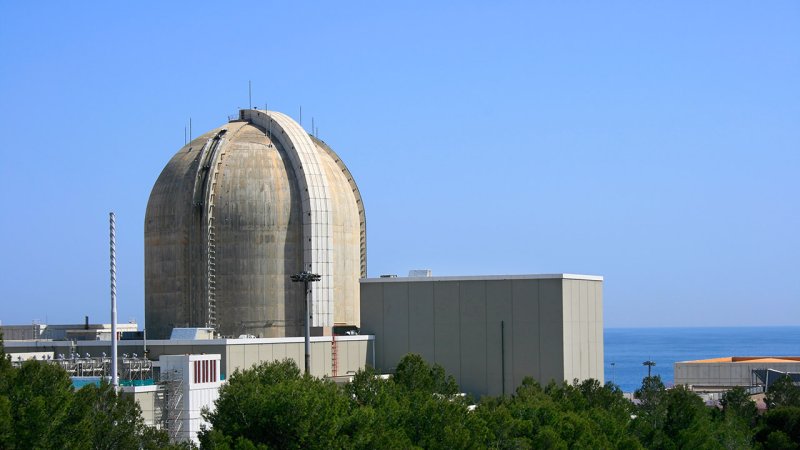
(239,210)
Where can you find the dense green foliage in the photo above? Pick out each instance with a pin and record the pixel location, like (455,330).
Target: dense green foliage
(40,409)
(273,406)
(780,426)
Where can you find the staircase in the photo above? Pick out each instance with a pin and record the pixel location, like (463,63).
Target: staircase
(334,357)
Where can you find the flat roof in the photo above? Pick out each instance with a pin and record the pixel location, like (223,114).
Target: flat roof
(747,359)
(175,342)
(557,276)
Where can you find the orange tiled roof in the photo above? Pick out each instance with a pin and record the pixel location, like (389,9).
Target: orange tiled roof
(750,359)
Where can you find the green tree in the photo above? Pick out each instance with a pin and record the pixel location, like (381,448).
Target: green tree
(273,405)
(651,413)
(6,423)
(683,410)
(40,395)
(507,430)
(678,418)
(778,440)
(6,418)
(782,392)
(99,418)
(561,415)
(418,406)
(40,409)
(736,403)
(367,387)
(780,424)
(414,374)
(5,363)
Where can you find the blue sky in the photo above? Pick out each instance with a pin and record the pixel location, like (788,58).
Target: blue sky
(654,144)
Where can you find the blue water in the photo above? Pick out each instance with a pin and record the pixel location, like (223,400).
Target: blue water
(79,382)
(628,348)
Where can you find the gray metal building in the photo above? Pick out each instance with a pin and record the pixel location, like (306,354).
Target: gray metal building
(489,331)
(721,374)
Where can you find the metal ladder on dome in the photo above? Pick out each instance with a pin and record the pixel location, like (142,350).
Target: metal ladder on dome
(211,238)
(212,273)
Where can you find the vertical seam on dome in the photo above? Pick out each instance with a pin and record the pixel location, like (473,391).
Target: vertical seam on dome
(316,205)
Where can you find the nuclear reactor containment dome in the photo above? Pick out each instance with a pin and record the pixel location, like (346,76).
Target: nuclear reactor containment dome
(239,210)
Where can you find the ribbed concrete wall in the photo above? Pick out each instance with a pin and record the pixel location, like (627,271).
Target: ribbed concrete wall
(345,226)
(259,243)
(489,332)
(244,184)
(582,318)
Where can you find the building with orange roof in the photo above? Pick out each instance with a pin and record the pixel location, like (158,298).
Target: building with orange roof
(720,374)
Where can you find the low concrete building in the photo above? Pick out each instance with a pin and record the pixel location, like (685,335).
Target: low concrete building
(188,384)
(188,373)
(193,381)
(489,332)
(330,355)
(720,374)
(59,332)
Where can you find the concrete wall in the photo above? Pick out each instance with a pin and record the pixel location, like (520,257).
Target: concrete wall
(263,203)
(489,332)
(78,331)
(582,317)
(146,396)
(353,352)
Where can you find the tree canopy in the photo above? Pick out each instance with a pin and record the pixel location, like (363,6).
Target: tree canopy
(40,409)
(273,406)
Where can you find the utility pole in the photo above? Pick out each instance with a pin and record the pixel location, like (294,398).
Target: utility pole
(613,373)
(306,278)
(649,363)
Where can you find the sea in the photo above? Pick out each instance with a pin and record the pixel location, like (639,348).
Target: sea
(626,349)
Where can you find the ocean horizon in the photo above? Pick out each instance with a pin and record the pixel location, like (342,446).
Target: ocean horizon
(629,348)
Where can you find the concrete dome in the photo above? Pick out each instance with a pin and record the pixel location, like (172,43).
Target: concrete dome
(236,212)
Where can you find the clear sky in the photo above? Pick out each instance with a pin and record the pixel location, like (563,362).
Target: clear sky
(655,144)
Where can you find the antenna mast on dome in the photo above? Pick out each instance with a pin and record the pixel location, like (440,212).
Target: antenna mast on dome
(250,93)
(269,121)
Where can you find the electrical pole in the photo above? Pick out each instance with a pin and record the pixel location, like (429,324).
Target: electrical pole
(306,278)
(649,363)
